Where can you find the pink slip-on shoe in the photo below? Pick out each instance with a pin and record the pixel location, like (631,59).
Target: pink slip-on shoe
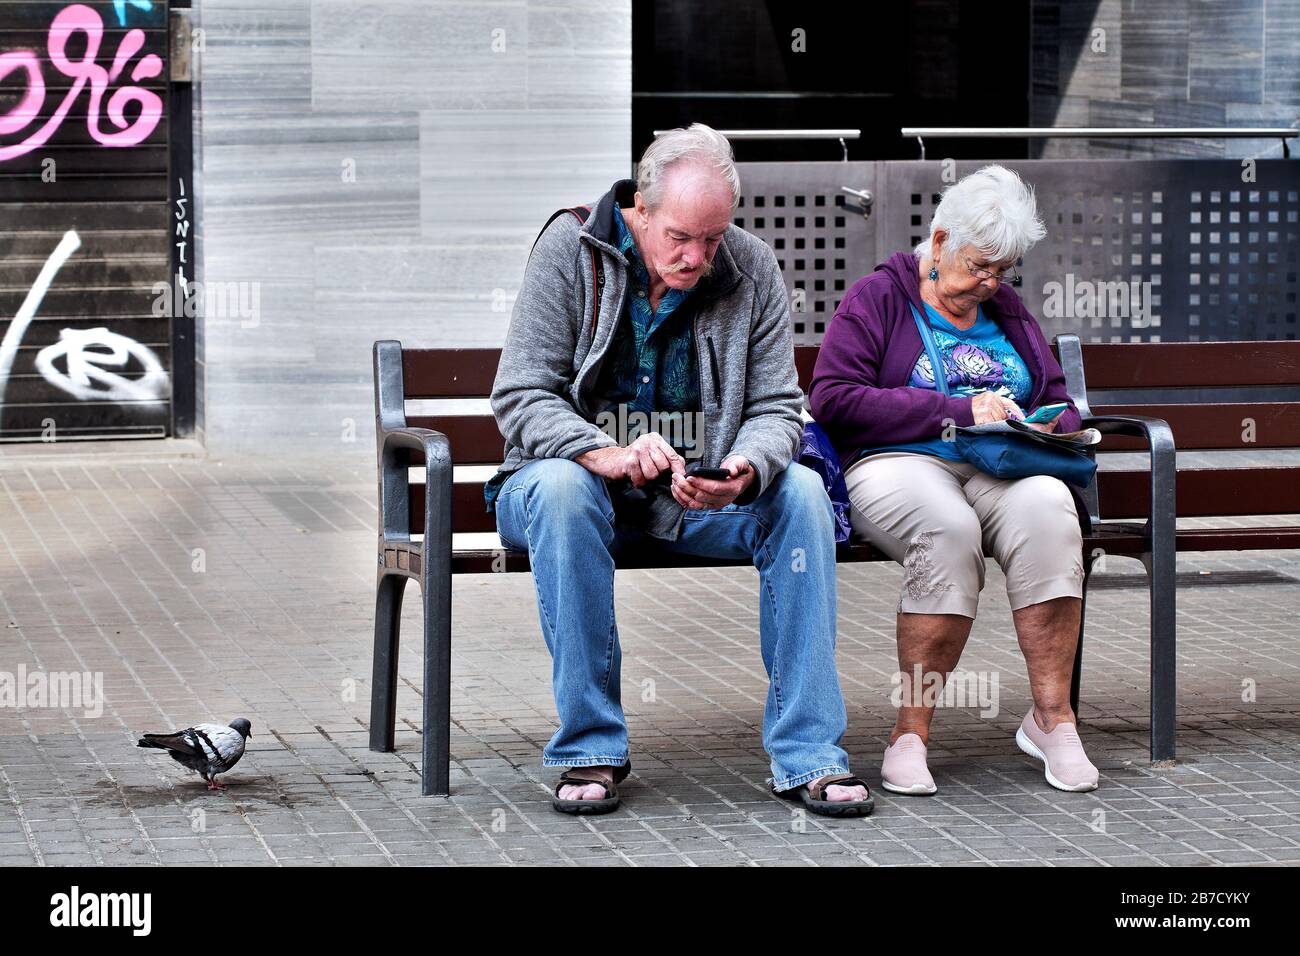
(1065,764)
(904,769)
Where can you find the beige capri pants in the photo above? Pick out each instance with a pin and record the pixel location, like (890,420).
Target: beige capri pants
(936,517)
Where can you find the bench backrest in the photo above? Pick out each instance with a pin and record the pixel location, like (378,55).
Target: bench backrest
(1197,425)
(475,439)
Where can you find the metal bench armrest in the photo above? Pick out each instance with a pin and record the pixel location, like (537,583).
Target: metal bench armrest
(394,486)
(394,441)
(1164,467)
(1156,431)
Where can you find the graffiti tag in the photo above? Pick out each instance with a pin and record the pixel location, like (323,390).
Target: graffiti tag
(87,378)
(120,7)
(84,72)
(87,373)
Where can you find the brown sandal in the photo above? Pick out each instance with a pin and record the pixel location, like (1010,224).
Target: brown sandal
(813,796)
(584,775)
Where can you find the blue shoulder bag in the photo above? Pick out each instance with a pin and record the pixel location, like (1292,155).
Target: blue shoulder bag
(1011,449)
(816,451)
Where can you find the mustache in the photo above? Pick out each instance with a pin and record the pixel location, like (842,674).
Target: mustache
(681,267)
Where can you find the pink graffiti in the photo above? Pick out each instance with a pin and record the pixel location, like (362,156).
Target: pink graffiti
(70,20)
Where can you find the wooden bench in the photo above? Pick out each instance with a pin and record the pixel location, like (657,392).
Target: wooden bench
(439,507)
(1200,492)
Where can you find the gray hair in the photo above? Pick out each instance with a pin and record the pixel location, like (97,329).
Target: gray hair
(698,145)
(992,210)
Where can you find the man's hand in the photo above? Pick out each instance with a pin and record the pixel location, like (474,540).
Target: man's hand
(640,462)
(699,493)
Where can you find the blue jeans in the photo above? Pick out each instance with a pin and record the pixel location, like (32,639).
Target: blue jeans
(561,514)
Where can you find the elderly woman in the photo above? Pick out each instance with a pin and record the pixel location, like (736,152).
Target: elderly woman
(916,499)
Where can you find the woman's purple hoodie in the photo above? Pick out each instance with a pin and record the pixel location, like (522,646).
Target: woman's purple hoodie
(859,390)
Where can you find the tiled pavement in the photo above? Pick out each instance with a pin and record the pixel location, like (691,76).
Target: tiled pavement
(205,589)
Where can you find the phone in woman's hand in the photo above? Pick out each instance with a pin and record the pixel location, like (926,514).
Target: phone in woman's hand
(1046,413)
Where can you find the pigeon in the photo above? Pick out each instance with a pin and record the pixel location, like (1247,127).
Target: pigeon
(207,749)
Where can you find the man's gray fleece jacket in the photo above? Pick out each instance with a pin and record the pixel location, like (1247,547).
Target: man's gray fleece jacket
(543,394)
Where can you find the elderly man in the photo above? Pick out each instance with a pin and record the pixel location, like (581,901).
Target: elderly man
(657,305)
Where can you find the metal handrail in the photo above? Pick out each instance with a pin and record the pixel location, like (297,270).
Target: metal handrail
(785,133)
(1095,132)
(839,134)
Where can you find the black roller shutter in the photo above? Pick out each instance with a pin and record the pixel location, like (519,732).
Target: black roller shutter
(95,360)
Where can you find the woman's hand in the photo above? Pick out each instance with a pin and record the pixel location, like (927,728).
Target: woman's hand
(1044,426)
(989,407)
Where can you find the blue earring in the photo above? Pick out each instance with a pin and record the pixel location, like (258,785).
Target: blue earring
(934,274)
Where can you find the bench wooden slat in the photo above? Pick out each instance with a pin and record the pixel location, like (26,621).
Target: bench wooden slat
(805,357)
(1239,539)
(484,561)
(1191,364)
(1205,426)
(469,373)
(475,439)
(449,373)
(1204,492)
(1124,495)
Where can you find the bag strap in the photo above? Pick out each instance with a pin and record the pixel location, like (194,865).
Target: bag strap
(581,213)
(936,363)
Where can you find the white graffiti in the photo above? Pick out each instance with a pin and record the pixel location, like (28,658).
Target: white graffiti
(69,244)
(87,372)
(85,366)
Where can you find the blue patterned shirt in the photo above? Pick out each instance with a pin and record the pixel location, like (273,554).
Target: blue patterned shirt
(650,365)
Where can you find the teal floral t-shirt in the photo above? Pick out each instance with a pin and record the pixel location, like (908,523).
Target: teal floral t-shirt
(978,359)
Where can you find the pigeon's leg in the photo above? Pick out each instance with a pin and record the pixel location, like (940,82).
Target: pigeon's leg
(214,785)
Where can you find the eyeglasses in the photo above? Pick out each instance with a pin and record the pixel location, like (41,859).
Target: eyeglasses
(1008,277)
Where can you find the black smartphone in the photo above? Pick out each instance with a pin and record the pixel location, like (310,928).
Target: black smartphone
(712,474)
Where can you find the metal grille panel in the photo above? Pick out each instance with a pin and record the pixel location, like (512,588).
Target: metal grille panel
(822,244)
(1135,251)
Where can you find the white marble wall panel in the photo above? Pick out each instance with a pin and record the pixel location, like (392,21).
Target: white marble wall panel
(420,54)
(502,174)
(467,124)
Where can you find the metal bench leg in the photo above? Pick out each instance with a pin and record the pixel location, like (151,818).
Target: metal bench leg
(435,583)
(1161,575)
(437,689)
(383,692)
(1077,677)
(1161,563)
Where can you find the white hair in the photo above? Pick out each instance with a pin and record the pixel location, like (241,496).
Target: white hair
(698,145)
(991,210)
